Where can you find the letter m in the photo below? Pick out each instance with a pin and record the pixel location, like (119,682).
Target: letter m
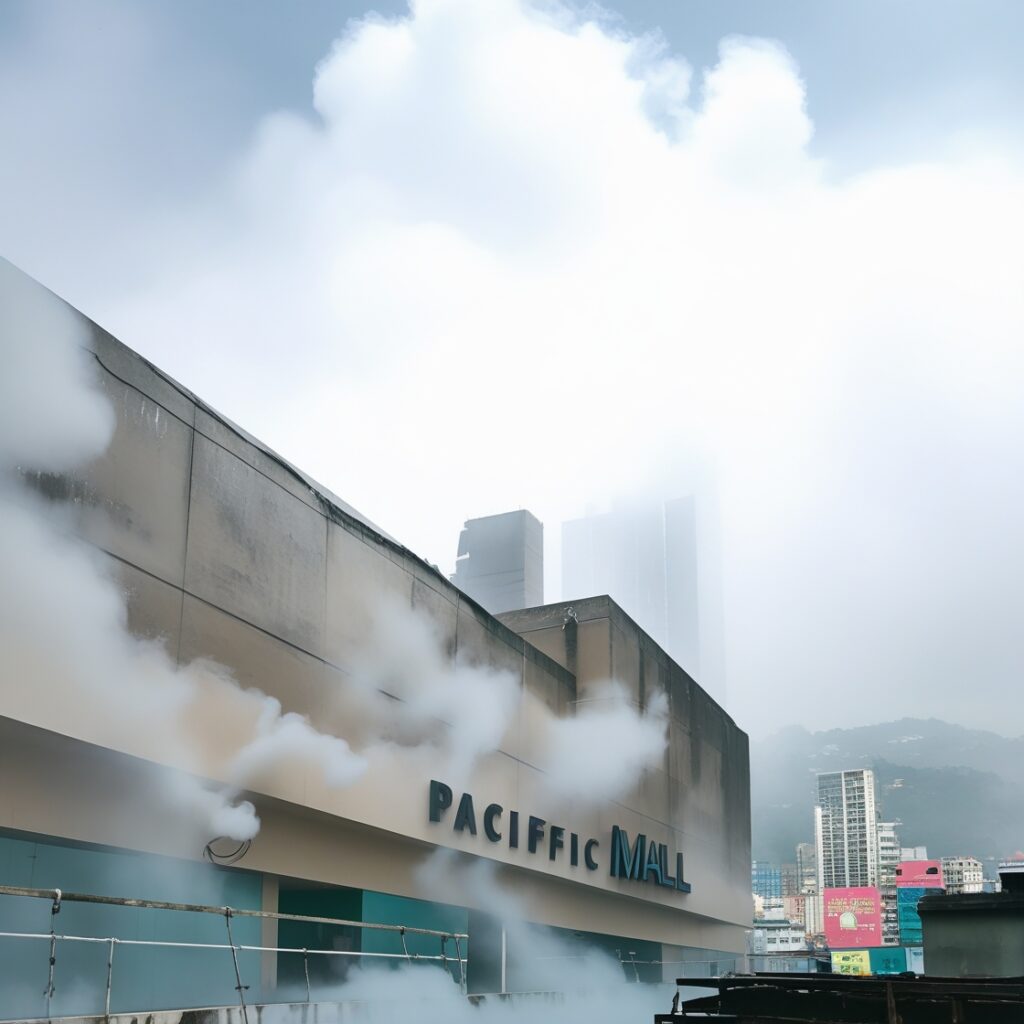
(627,861)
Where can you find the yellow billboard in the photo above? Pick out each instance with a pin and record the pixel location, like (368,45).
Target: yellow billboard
(851,961)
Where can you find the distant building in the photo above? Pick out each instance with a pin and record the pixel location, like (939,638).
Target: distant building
(915,879)
(790,880)
(889,852)
(660,561)
(924,874)
(888,862)
(777,937)
(963,875)
(794,908)
(914,853)
(765,880)
(814,914)
(1011,875)
(846,830)
(501,561)
(807,867)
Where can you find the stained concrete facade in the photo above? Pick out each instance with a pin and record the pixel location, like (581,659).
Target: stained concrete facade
(224,551)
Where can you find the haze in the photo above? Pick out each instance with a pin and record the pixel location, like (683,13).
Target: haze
(480,256)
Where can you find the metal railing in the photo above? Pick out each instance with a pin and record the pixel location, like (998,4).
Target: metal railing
(57,898)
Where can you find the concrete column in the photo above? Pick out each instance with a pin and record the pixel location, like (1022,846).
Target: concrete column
(268,935)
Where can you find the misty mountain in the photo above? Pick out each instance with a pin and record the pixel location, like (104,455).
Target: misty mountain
(956,790)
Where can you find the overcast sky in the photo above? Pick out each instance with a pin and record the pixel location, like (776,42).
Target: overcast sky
(487,255)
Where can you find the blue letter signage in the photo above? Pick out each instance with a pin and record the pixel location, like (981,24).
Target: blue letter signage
(637,860)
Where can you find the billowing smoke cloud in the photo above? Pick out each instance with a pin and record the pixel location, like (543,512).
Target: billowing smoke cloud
(601,752)
(518,257)
(66,656)
(418,694)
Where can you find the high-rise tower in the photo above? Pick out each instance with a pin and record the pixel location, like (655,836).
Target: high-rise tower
(846,829)
(501,561)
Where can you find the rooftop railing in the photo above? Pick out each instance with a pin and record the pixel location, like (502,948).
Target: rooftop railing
(52,939)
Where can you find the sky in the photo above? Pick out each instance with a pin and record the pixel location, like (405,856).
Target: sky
(477,256)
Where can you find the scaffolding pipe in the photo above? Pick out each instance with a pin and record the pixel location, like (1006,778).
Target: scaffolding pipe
(50,986)
(199,908)
(110,979)
(462,966)
(58,897)
(238,974)
(214,945)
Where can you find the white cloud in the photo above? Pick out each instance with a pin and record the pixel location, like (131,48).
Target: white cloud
(517,257)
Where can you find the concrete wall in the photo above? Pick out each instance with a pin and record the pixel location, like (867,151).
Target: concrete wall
(702,789)
(227,552)
(974,935)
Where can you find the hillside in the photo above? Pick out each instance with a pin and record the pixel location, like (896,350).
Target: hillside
(956,790)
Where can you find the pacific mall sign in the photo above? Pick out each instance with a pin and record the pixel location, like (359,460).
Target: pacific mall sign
(640,860)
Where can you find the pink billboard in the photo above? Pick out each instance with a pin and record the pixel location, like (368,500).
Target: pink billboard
(853,917)
(921,874)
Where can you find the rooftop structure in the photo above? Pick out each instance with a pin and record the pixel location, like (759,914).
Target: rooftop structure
(501,561)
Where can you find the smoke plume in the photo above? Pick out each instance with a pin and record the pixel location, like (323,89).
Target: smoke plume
(522,257)
(600,752)
(66,655)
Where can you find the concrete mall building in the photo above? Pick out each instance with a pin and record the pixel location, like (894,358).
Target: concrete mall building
(227,555)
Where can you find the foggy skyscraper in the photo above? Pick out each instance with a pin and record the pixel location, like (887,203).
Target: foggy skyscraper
(660,561)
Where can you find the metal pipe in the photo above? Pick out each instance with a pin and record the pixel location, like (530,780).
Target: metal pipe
(305,967)
(462,966)
(110,978)
(50,987)
(238,974)
(199,908)
(212,945)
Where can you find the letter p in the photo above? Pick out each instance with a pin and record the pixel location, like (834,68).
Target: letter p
(440,799)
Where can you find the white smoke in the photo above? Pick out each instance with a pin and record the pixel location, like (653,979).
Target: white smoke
(526,258)
(66,655)
(280,736)
(599,753)
(420,694)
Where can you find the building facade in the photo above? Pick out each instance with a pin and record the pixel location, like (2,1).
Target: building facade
(973,935)
(846,830)
(225,555)
(781,936)
(915,879)
(765,879)
(888,862)
(963,875)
